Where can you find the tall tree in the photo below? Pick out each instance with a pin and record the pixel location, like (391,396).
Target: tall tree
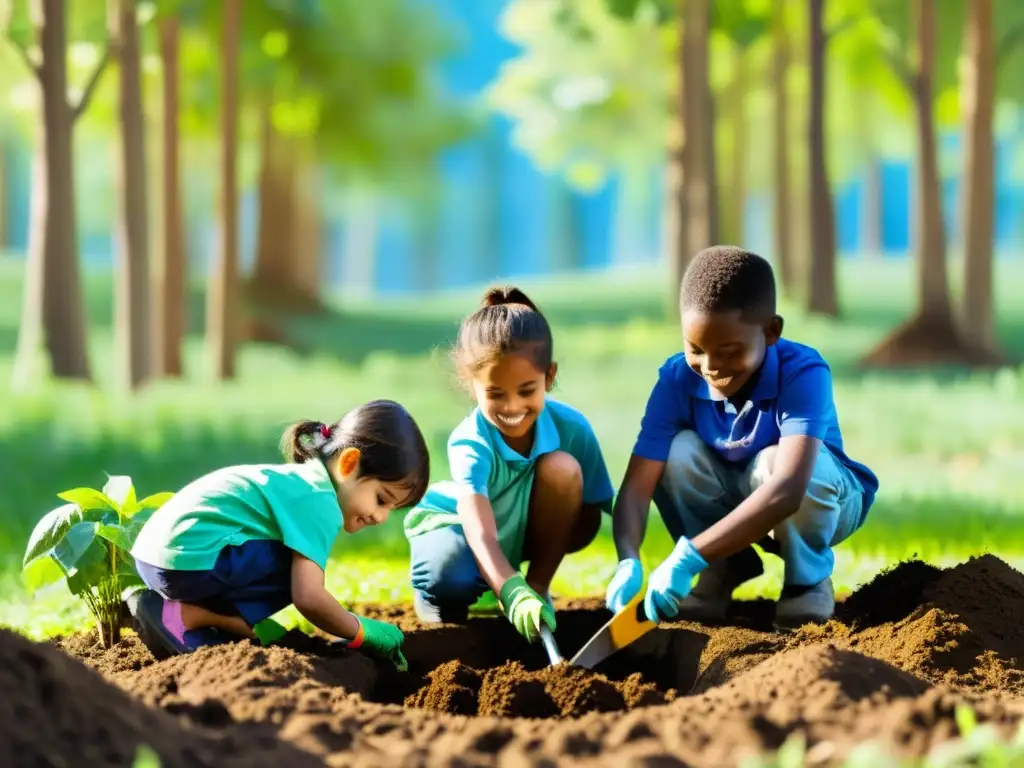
(169,267)
(739,27)
(131,285)
(822,295)
(222,315)
(383,127)
(273,282)
(53,309)
(931,335)
(978,96)
(781,187)
(985,57)
(698,140)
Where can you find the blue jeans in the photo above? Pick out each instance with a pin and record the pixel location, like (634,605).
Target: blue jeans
(698,488)
(445,577)
(252,580)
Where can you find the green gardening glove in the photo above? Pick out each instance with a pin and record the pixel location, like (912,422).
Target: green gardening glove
(381,639)
(525,608)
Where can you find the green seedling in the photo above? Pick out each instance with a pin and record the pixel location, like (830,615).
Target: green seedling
(87,542)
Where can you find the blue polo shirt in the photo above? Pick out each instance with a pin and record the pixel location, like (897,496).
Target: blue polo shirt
(791,395)
(482,463)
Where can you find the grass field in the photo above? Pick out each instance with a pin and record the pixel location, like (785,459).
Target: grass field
(948,446)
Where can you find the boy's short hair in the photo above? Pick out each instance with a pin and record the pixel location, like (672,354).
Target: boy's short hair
(724,278)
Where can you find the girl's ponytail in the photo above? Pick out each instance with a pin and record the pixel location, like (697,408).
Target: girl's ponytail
(303,440)
(506,294)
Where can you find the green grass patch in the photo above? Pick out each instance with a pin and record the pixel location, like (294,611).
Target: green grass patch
(947,445)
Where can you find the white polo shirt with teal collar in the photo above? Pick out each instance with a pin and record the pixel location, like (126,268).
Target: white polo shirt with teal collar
(481,462)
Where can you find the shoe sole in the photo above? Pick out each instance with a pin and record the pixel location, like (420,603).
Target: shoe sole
(147,612)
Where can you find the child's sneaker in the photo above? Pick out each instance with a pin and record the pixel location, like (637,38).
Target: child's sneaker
(161,630)
(709,600)
(805,605)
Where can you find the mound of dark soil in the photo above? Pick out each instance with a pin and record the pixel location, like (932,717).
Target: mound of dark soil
(902,653)
(512,691)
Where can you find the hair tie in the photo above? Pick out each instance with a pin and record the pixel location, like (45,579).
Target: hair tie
(325,432)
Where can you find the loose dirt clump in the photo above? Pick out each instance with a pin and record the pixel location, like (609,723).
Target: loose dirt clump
(963,627)
(901,655)
(513,691)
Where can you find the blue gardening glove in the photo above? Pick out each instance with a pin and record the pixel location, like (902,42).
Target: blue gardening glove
(670,582)
(625,584)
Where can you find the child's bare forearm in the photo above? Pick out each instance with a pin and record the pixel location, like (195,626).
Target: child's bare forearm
(629,523)
(478,524)
(327,614)
(753,519)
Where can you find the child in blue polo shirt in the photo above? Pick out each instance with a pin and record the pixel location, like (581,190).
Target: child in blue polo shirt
(240,543)
(739,440)
(528,478)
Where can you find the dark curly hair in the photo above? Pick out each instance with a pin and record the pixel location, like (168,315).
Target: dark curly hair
(725,278)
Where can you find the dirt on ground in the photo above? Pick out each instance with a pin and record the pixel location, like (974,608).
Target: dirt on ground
(902,653)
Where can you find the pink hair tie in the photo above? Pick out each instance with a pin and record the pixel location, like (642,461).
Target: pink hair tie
(325,431)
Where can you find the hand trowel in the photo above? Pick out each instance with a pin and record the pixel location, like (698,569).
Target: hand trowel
(626,626)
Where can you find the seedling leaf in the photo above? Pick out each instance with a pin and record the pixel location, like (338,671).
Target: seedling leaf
(117,536)
(150,503)
(41,572)
(120,490)
(50,530)
(156,500)
(70,549)
(92,568)
(88,498)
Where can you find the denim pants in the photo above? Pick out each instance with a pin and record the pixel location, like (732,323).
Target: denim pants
(446,579)
(698,488)
(252,580)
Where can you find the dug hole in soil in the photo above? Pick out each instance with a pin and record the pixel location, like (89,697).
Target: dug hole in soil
(903,652)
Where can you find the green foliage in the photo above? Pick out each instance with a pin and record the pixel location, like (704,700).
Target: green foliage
(592,91)
(353,79)
(88,542)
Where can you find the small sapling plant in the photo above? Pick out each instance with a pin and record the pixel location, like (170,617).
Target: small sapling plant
(87,542)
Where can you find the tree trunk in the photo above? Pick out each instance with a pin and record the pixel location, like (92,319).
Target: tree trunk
(979,177)
(53,309)
(709,119)
(698,133)
(676,238)
(931,335)
(222,307)
(131,297)
(169,270)
(781,213)
(271,278)
(307,271)
(821,295)
(733,202)
(287,274)
(933,283)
